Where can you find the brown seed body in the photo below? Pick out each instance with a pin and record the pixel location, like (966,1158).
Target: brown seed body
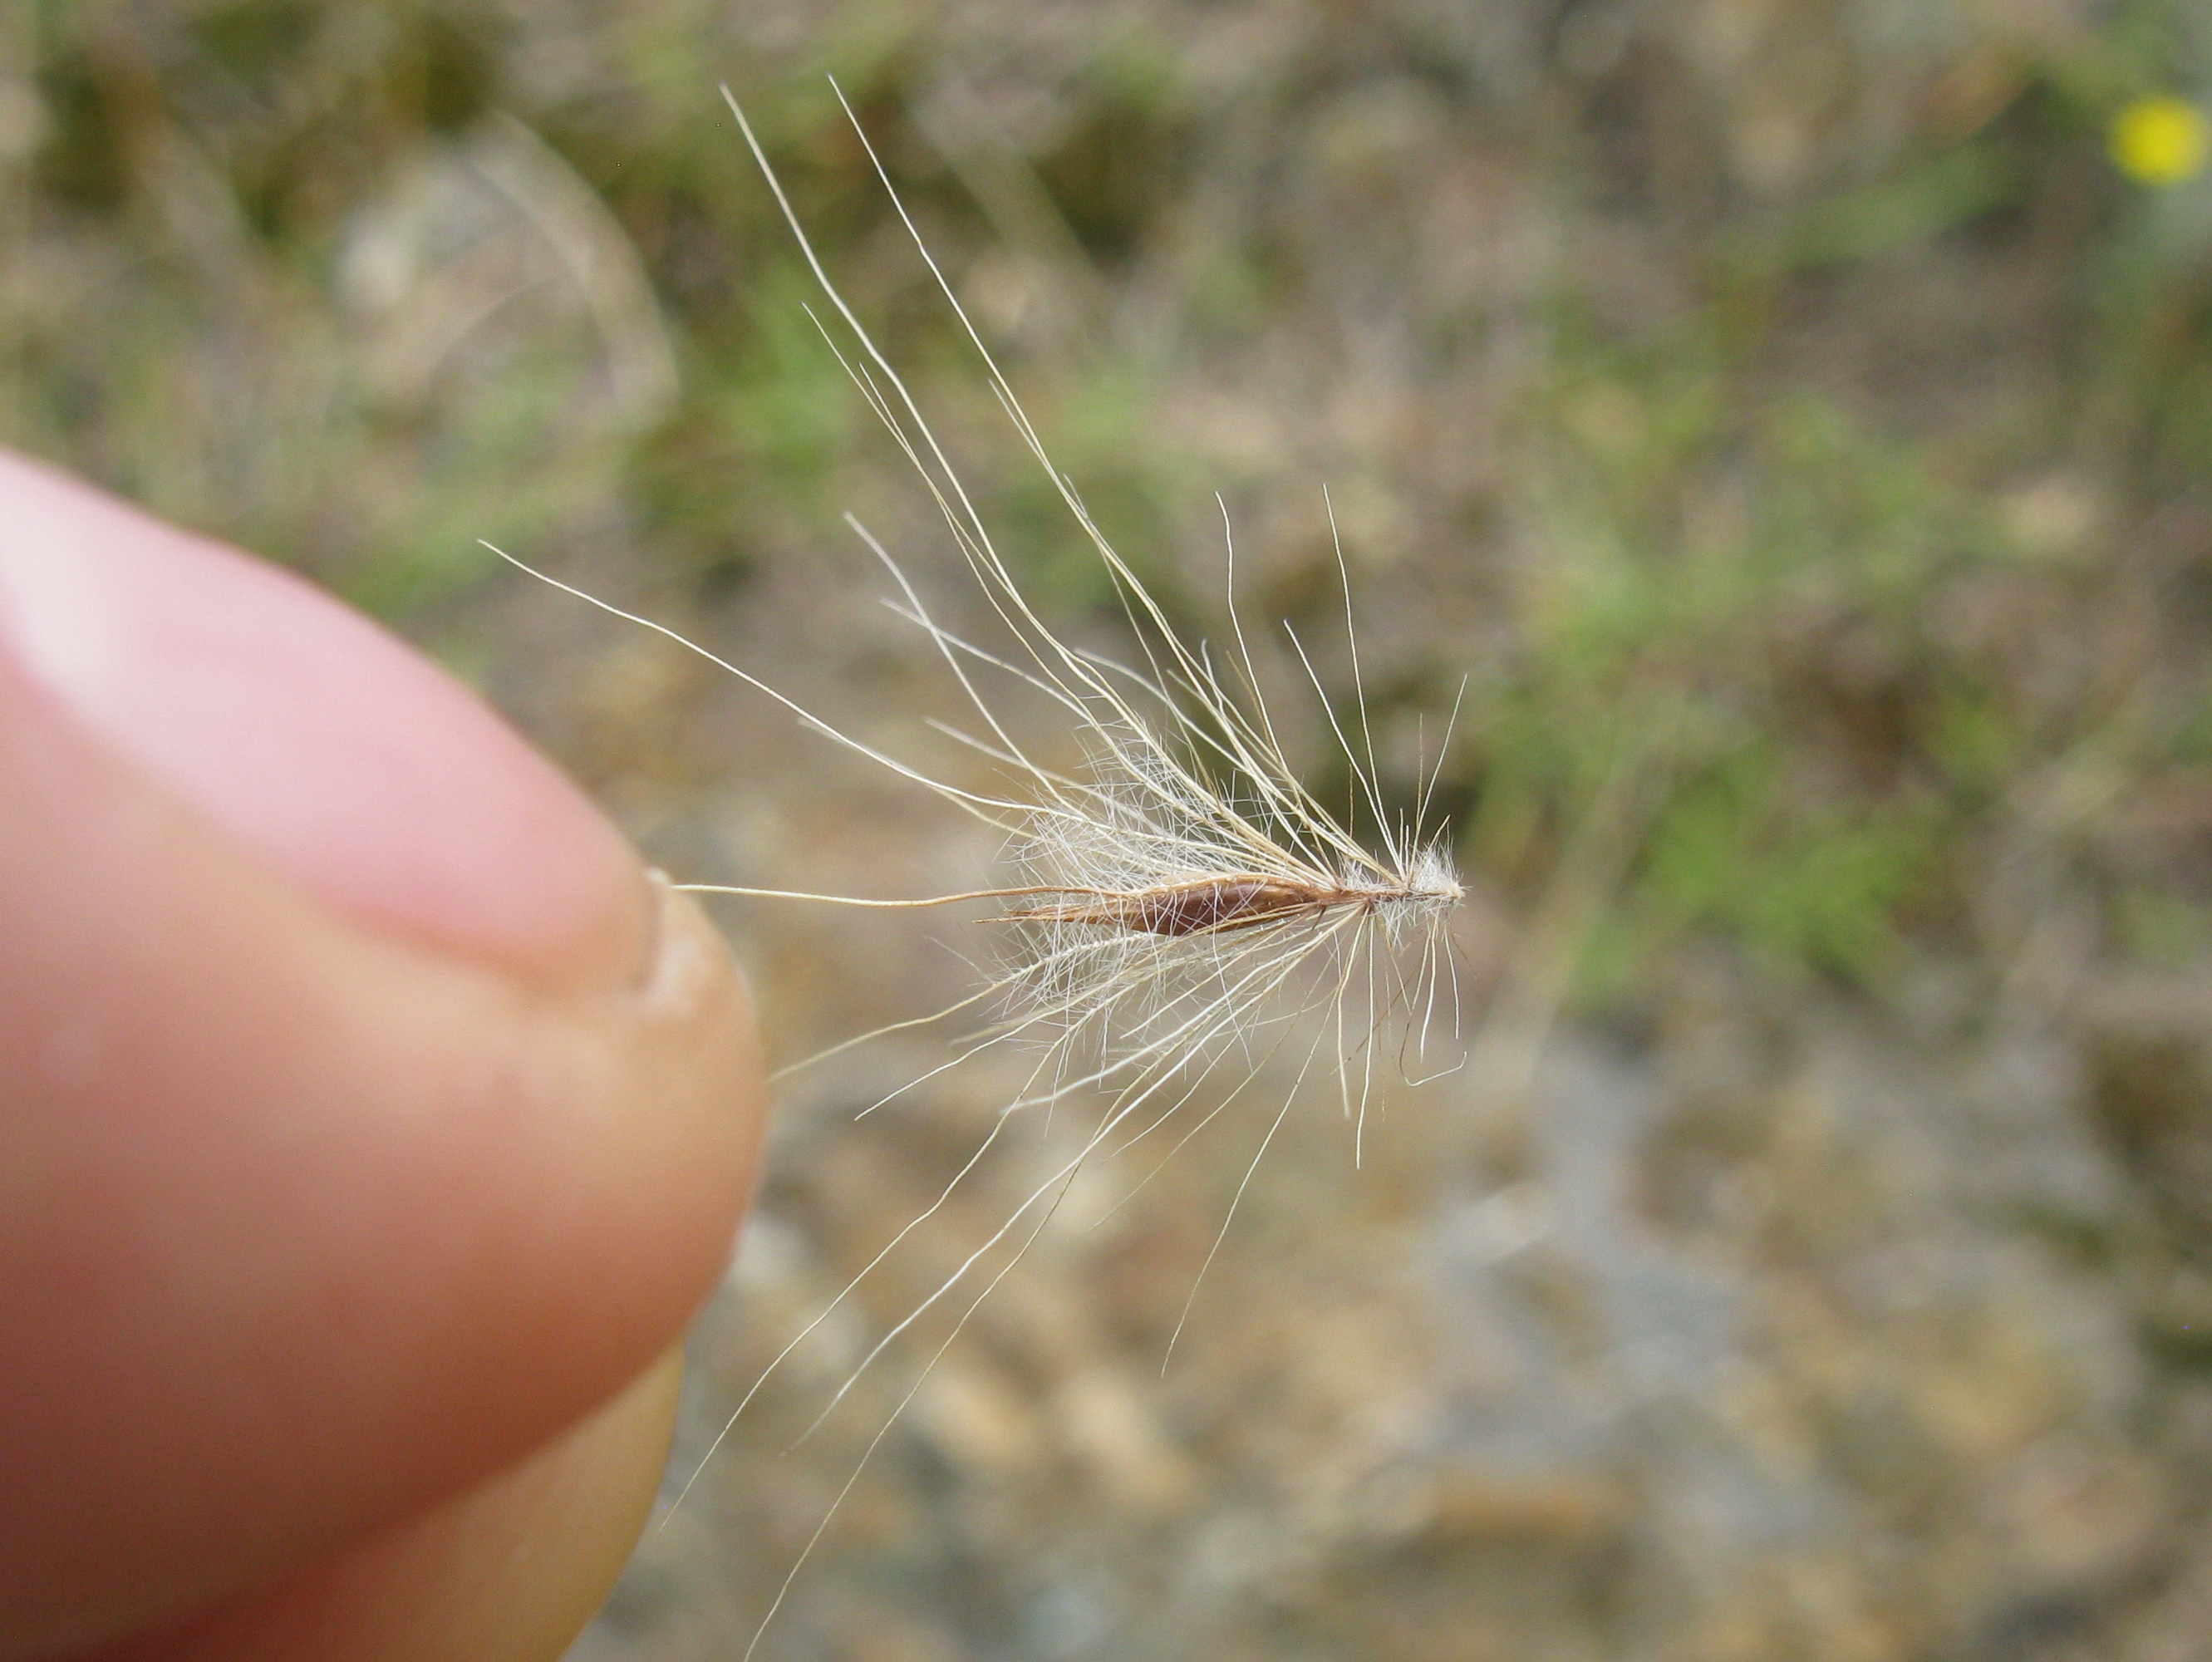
(1212,905)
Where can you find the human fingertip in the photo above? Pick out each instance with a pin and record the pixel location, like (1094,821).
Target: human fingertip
(510,1570)
(309,734)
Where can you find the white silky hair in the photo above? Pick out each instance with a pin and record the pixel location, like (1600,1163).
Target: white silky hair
(1182,909)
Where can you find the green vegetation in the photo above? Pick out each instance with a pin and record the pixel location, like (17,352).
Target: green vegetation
(1821,480)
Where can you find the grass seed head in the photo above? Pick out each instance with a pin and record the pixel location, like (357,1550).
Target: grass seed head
(1182,908)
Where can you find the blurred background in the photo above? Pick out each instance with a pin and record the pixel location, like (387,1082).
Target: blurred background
(1793,418)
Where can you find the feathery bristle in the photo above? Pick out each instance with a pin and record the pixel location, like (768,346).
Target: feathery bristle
(1178,895)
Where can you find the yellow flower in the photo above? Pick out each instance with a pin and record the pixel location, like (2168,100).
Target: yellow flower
(2160,141)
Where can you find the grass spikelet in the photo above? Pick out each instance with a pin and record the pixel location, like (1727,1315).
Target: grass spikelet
(1180,910)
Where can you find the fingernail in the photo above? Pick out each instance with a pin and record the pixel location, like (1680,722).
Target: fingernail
(311,736)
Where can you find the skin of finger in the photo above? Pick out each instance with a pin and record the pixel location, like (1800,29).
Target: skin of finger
(509,1572)
(302,1228)
(309,734)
